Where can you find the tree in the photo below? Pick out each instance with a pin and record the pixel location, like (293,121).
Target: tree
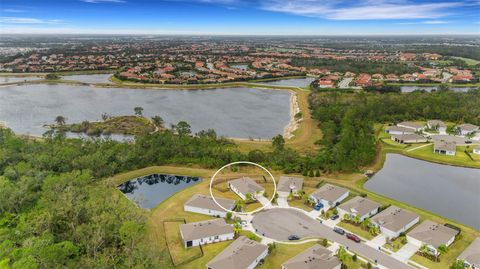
(158,121)
(248,196)
(278,143)
(183,128)
(354,257)
(443,248)
(60,120)
(342,254)
(52,76)
(229,215)
(138,110)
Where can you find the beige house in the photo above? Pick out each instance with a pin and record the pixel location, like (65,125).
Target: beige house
(432,235)
(245,185)
(409,138)
(471,255)
(287,185)
(316,257)
(358,206)
(243,253)
(445,148)
(394,220)
(206,232)
(204,204)
(329,195)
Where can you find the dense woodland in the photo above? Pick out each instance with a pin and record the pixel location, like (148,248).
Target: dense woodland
(57,211)
(370,67)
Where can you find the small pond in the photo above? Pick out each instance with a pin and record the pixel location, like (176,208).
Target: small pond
(93,78)
(149,191)
(449,191)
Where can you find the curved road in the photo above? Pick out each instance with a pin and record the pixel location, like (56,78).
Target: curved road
(279,223)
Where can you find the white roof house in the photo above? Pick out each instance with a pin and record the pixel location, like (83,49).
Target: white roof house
(411,125)
(432,235)
(243,253)
(444,147)
(315,257)
(287,185)
(206,232)
(394,220)
(245,185)
(359,206)
(409,138)
(467,128)
(476,150)
(438,125)
(396,130)
(471,255)
(204,204)
(329,195)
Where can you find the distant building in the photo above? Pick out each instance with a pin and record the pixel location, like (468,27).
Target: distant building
(243,253)
(411,125)
(358,206)
(445,148)
(432,235)
(329,195)
(287,185)
(206,232)
(409,138)
(204,204)
(394,220)
(471,255)
(395,130)
(467,129)
(315,257)
(437,125)
(245,185)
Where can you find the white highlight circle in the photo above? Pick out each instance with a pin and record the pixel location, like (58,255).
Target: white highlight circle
(244,213)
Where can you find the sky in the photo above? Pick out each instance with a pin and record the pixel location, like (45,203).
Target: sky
(241,17)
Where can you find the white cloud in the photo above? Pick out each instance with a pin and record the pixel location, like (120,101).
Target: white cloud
(12,10)
(103,1)
(19,20)
(361,9)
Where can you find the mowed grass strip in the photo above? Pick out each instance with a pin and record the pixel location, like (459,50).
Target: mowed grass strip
(178,252)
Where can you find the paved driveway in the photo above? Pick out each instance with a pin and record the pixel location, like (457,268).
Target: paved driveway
(405,252)
(282,202)
(378,241)
(279,223)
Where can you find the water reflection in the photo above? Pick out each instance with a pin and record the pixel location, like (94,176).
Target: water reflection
(148,191)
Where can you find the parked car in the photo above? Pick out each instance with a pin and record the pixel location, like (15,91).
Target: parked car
(353,237)
(339,230)
(318,207)
(293,237)
(334,217)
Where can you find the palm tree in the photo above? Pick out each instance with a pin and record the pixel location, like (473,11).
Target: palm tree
(356,219)
(342,254)
(60,120)
(237,228)
(346,217)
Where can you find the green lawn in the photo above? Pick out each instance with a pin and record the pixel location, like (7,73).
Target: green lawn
(356,230)
(298,203)
(460,158)
(446,259)
(176,247)
(468,60)
(396,244)
(282,253)
(210,251)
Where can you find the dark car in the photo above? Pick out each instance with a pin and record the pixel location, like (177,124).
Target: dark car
(339,230)
(468,142)
(353,237)
(293,237)
(334,217)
